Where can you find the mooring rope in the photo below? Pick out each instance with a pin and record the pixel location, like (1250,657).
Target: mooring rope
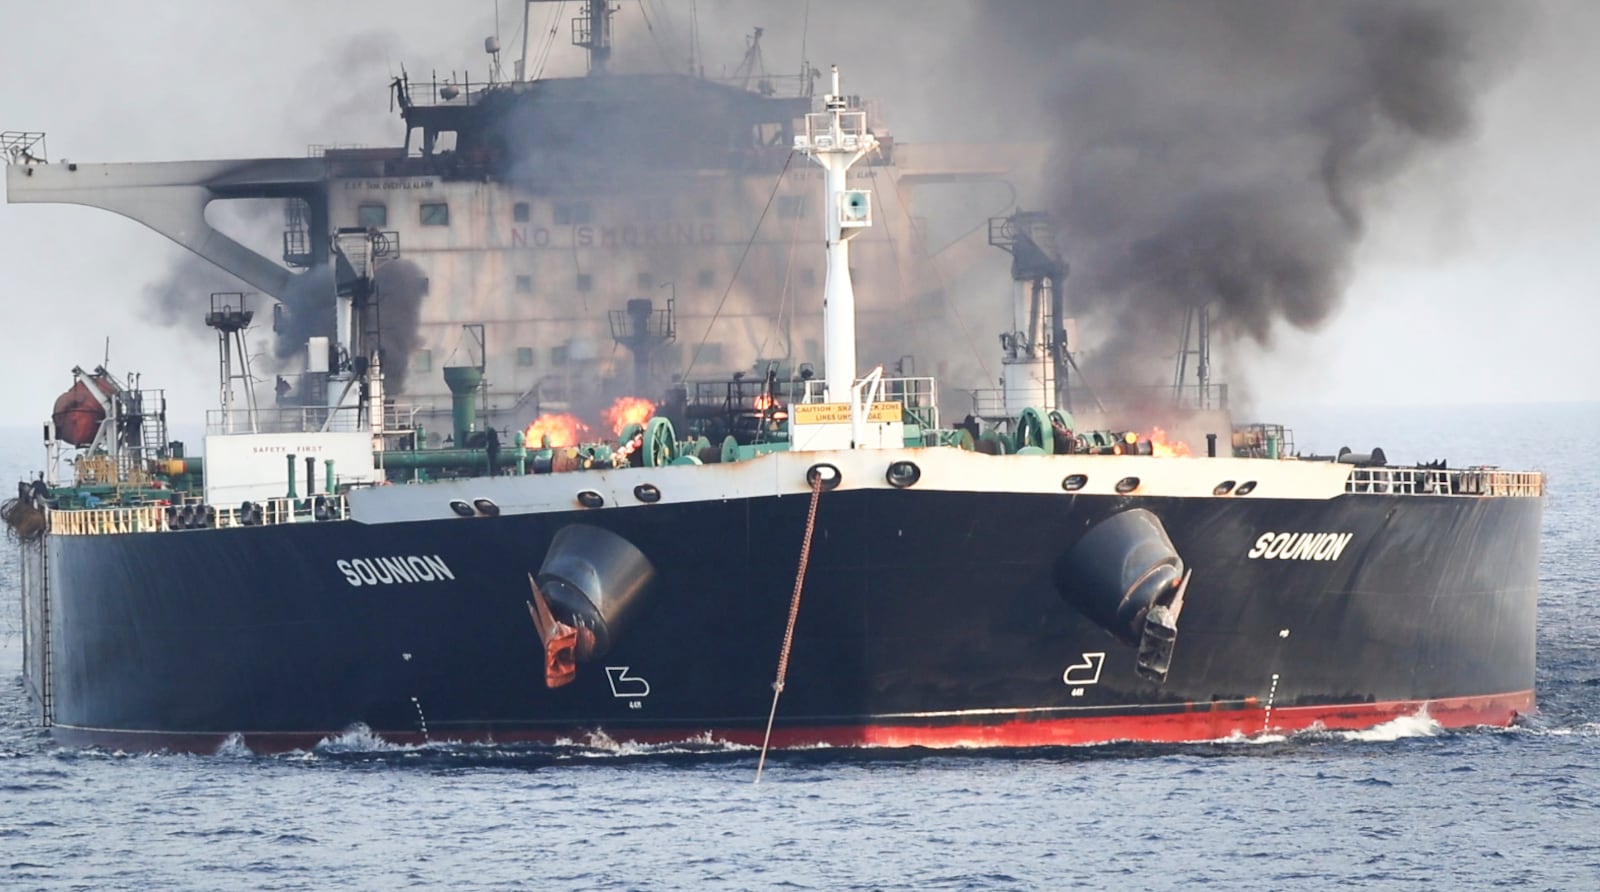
(794,613)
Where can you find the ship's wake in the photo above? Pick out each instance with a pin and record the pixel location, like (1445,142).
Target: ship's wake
(360,745)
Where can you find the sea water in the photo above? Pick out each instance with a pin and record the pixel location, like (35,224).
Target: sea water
(1406,805)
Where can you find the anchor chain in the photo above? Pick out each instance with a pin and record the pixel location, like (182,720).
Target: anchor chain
(794,613)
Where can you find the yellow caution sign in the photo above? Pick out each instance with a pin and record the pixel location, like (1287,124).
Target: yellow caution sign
(839,413)
(883,413)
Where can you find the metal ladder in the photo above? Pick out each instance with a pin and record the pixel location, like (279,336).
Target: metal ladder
(47,684)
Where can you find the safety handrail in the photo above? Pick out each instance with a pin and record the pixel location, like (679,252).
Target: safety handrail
(1442,482)
(153,518)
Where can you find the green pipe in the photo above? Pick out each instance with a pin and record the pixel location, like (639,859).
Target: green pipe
(520,445)
(327,465)
(471,459)
(292,493)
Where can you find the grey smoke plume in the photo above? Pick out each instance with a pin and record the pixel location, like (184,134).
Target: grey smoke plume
(339,99)
(181,296)
(1225,152)
(307,312)
(1229,153)
(1206,151)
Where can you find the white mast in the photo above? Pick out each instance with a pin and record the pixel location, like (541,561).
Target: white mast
(836,138)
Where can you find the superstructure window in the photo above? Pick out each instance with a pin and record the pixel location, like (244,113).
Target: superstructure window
(707,278)
(558,355)
(372,216)
(646,280)
(435,213)
(422,361)
(520,212)
(524,284)
(585,282)
(525,356)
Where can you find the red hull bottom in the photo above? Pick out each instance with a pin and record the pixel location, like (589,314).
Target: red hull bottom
(990,729)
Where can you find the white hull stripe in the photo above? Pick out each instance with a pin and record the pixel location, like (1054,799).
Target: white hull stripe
(942,469)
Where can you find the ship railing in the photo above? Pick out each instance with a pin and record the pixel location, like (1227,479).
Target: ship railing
(106,521)
(279,420)
(1438,481)
(272,512)
(819,132)
(990,402)
(399,418)
(303,419)
(153,518)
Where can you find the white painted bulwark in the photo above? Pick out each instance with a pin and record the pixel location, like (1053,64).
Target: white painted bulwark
(784,473)
(254,467)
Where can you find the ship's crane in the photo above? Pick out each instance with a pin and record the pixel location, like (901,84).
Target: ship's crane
(1194,341)
(1036,350)
(752,65)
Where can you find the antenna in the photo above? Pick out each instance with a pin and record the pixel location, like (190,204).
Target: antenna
(694,36)
(491,45)
(836,138)
(752,63)
(807,73)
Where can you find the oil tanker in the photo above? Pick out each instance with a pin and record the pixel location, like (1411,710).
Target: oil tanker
(797,554)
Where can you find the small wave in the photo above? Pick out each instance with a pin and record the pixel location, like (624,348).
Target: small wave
(1419,724)
(360,739)
(1537,728)
(598,743)
(360,744)
(1239,738)
(234,747)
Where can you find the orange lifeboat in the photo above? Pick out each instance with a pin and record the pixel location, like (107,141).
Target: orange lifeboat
(77,415)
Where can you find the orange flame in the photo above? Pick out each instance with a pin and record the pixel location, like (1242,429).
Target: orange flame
(563,430)
(1161,445)
(765,401)
(628,410)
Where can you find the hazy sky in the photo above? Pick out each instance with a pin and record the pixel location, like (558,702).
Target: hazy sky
(1479,281)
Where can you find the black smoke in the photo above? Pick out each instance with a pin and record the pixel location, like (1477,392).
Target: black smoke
(307,311)
(340,99)
(401,286)
(1229,154)
(1225,153)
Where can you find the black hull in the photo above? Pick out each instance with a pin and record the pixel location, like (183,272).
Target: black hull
(928,618)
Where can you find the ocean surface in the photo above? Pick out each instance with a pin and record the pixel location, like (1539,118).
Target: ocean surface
(1404,806)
